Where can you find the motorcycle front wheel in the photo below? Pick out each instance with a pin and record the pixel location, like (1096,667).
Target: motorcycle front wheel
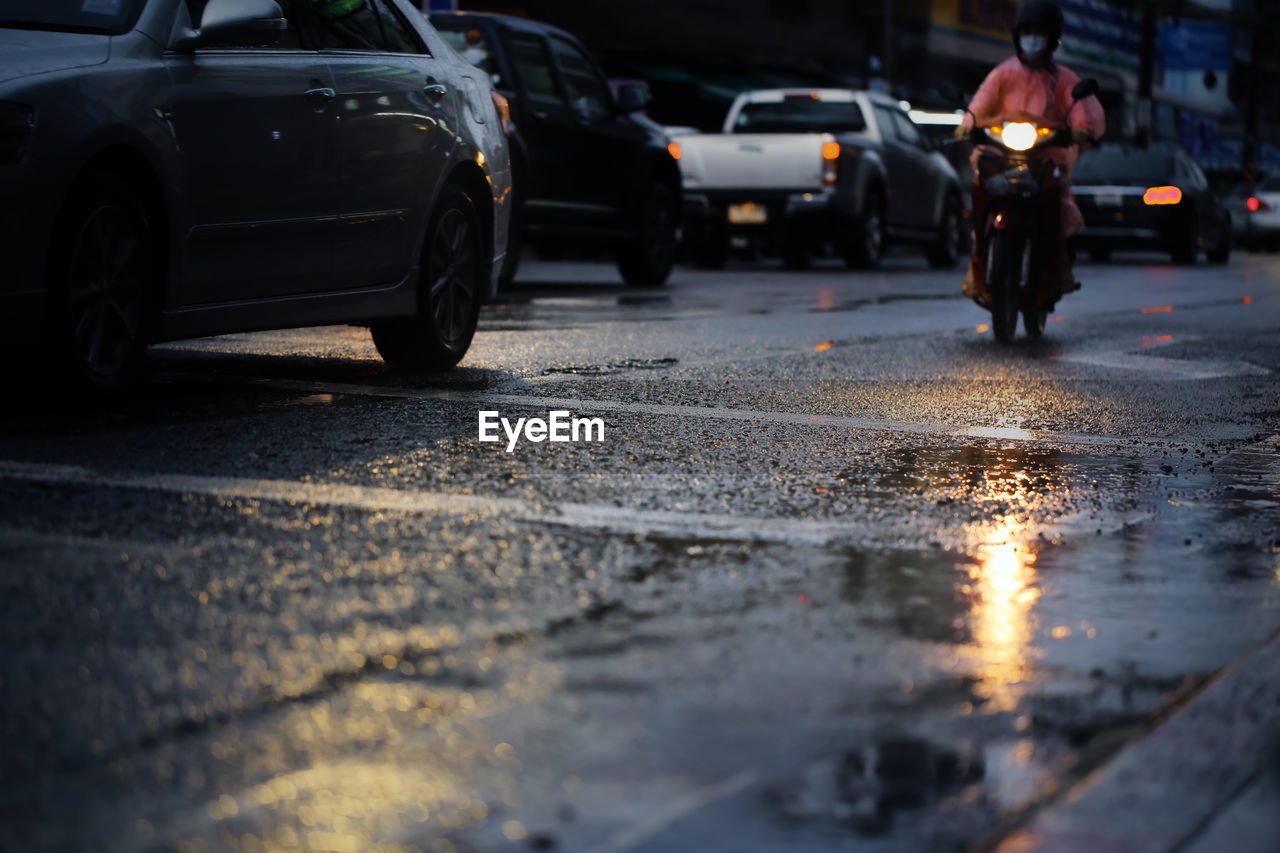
(1004,268)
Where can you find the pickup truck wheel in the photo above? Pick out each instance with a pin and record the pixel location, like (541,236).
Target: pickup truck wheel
(867,242)
(949,244)
(647,260)
(449,286)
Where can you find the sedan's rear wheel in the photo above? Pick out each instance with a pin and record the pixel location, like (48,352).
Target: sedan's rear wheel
(449,287)
(103,282)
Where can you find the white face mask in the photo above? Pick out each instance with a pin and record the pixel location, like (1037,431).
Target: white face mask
(1033,46)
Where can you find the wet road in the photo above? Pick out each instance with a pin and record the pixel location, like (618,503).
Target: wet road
(843,573)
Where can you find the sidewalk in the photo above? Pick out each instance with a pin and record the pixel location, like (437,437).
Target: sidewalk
(1206,779)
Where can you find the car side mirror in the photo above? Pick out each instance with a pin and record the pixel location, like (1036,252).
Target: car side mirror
(1085,88)
(632,97)
(235,21)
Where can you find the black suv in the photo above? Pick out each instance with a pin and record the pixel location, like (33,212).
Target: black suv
(587,164)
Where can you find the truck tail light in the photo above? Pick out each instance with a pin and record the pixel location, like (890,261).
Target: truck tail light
(830,163)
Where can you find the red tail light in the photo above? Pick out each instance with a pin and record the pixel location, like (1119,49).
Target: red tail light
(1256,204)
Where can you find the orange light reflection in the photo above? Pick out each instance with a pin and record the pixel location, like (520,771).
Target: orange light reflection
(1004,585)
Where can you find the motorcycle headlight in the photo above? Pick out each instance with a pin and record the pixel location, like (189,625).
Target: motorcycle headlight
(17,121)
(1019,135)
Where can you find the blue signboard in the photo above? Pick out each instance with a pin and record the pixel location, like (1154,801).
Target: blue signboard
(1195,46)
(442,6)
(1094,30)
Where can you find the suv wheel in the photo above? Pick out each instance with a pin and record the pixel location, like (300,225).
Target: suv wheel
(948,245)
(867,242)
(449,286)
(647,260)
(103,282)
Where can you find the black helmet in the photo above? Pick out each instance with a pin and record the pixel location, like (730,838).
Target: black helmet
(1042,13)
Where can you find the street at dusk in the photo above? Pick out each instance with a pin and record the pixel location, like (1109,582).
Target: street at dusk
(842,574)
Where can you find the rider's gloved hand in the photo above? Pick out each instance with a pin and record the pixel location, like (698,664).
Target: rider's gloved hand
(1081,135)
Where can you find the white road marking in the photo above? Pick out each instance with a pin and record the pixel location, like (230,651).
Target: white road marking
(584,406)
(623,520)
(678,809)
(1167,368)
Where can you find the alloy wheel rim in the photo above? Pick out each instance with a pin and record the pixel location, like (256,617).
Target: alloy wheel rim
(452,275)
(104,293)
(874,237)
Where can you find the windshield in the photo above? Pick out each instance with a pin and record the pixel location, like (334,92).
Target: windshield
(800,116)
(1109,167)
(73,16)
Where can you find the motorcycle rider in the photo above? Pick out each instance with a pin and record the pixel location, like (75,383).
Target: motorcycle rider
(1031,82)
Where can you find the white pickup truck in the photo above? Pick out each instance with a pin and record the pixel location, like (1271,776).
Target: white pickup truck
(801,170)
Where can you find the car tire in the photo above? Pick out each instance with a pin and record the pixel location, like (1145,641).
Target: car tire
(947,248)
(450,283)
(104,282)
(866,247)
(1222,252)
(647,260)
(1188,247)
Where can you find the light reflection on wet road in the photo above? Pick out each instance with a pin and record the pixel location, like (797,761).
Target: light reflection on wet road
(845,574)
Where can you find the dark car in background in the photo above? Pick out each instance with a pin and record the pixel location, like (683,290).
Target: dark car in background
(587,165)
(181,168)
(1148,199)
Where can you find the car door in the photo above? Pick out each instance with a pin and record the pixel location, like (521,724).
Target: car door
(396,114)
(899,162)
(551,132)
(608,142)
(259,166)
(923,191)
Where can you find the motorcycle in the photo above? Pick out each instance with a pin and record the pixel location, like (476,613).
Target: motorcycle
(1017,204)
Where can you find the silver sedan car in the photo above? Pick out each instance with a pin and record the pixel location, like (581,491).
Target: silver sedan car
(180,168)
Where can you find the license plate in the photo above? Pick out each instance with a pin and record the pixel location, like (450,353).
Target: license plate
(748,213)
(1108,200)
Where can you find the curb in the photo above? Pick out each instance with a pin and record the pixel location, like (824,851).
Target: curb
(1162,791)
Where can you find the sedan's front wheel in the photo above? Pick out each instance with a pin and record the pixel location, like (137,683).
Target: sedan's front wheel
(449,287)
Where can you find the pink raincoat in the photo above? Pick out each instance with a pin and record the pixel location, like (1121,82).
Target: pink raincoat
(1013,87)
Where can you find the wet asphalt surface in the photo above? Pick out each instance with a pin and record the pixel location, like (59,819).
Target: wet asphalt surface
(844,574)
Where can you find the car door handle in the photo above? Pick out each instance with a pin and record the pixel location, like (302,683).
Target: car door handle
(322,94)
(435,90)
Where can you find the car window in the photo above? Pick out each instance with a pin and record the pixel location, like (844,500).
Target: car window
(1124,166)
(588,91)
(399,36)
(799,115)
(533,66)
(472,44)
(1270,185)
(907,130)
(348,25)
(888,127)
